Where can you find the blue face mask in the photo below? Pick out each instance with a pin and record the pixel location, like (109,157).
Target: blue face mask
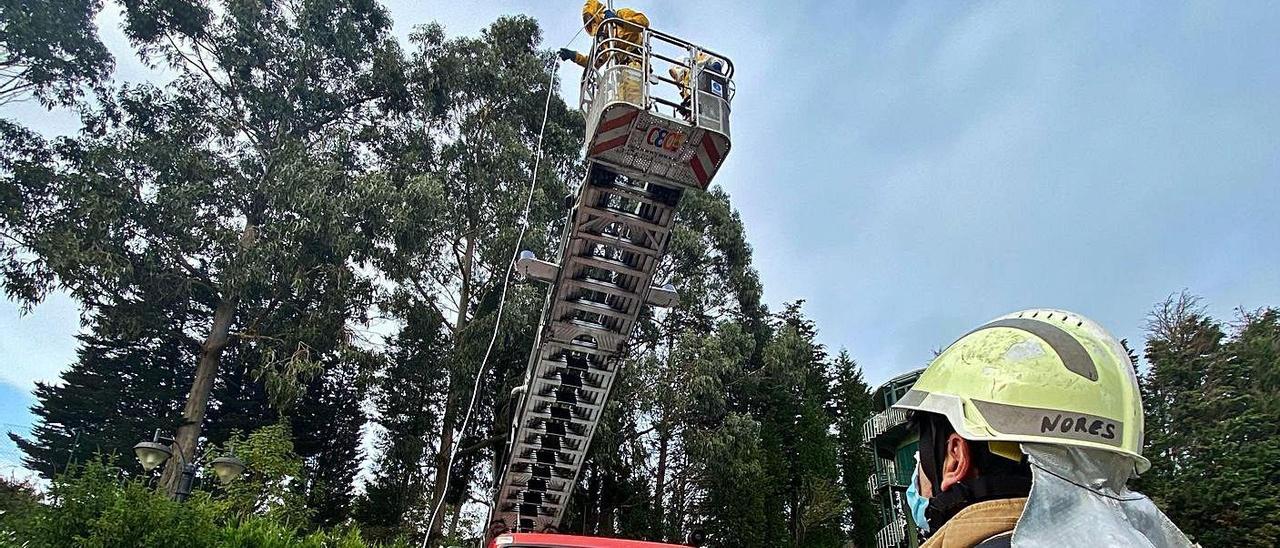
(917,502)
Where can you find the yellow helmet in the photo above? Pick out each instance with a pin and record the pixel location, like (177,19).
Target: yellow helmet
(1043,376)
(592,10)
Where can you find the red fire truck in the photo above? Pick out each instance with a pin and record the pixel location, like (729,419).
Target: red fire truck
(551,540)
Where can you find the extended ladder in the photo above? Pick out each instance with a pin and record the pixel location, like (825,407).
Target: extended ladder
(644,149)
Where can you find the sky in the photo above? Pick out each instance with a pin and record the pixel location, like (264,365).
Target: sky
(914,169)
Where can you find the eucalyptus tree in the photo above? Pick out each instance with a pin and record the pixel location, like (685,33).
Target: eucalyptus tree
(462,156)
(655,468)
(50,50)
(240,187)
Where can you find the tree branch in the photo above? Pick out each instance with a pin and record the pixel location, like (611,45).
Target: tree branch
(482,444)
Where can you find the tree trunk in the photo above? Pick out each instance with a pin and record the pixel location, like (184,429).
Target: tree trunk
(592,510)
(453,400)
(453,523)
(188,434)
(677,509)
(608,503)
(664,451)
(794,497)
(442,466)
(659,489)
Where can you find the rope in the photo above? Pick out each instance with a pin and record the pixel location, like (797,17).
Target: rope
(502,299)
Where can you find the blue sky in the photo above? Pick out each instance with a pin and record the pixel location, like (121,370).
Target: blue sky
(914,169)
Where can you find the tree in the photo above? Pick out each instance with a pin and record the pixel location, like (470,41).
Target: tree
(94,505)
(327,426)
(50,49)
(270,484)
(1211,422)
(408,411)
(477,109)
(851,407)
(724,463)
(115,395)
(805,501)
(239,190)
(132,373)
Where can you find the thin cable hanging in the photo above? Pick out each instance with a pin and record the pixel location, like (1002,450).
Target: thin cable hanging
(502,299)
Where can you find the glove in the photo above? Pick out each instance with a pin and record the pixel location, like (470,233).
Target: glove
(609,14)
(567,54)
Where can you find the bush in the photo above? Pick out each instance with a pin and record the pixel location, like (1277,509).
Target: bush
(269,486)
(18,500)
(96,506)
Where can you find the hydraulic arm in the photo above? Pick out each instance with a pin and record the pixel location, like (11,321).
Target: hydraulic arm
(649,139)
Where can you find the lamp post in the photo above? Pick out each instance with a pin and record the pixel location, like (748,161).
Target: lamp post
(154,453)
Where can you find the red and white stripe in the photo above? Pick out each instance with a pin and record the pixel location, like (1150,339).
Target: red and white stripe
(705,162)
(614,130)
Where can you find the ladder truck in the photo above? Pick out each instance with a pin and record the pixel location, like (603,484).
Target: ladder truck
(657,116)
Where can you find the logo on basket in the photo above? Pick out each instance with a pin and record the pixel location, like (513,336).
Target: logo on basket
(664,140)
(716,88)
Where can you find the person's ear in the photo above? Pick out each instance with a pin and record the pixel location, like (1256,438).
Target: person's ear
(959,462)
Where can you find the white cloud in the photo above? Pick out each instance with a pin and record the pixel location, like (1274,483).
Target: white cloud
(39,345)
(915,169)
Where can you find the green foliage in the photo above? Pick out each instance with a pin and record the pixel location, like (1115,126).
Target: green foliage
(237,199)
(1213,428)
(267,533)
(327,426)
(460,158)
(95,506)
(805,503)
(733,508)
(19,500)
(118,391)
(269,486)
(405,402)
(50,49)
(851,402)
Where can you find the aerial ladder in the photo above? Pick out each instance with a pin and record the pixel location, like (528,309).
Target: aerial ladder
(657,116)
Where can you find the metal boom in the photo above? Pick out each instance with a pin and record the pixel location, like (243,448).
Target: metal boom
(649,139)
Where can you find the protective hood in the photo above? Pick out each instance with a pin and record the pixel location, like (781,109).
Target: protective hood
(1079,500)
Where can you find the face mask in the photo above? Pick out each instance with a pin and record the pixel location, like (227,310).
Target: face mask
(917,503)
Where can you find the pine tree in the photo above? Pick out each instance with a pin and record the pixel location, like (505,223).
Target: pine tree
(408,405)
(806,501)
(851,403)
(1181,344)
(327,426)
(1211,423)
(130,379)
(116,394)
(725,455)
(1244,498)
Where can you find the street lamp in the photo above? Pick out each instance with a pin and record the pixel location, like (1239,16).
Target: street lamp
(153,453)
(227,468)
